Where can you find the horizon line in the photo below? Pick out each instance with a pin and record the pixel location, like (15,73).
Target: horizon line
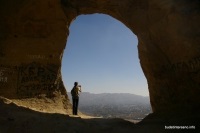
(112,93)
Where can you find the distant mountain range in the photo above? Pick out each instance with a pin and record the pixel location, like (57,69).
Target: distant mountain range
(114,105)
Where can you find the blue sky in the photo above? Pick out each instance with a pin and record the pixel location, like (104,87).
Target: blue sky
(101,54)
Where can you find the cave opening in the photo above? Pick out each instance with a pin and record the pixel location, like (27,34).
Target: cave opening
(101,54)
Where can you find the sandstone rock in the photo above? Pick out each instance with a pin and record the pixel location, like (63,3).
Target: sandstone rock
(33,36)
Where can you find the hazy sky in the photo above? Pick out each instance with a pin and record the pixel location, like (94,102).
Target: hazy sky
(101,54)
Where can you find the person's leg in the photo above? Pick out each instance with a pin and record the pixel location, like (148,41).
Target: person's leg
(74,106)
(77,100)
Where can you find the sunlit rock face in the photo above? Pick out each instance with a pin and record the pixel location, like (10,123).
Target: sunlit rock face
(33,36)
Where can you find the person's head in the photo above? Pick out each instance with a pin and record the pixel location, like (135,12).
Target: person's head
(75,83)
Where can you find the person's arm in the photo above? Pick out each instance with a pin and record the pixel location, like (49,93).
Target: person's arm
(80,88)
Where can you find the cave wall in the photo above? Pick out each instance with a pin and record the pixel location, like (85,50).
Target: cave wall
(33,36)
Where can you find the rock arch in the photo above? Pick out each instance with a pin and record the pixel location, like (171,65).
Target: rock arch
(33,36)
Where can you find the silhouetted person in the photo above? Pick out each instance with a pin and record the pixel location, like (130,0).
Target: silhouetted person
(75,97)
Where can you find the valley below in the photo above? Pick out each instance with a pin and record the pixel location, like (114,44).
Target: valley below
(114,105)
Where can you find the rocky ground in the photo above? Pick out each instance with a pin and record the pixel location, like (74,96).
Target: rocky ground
(18,119)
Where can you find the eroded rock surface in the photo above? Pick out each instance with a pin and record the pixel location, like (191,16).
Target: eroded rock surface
(33,36)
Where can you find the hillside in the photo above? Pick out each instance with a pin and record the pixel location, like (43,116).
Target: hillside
(114,105)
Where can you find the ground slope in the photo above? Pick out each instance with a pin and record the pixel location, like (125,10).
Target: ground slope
(17,119)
